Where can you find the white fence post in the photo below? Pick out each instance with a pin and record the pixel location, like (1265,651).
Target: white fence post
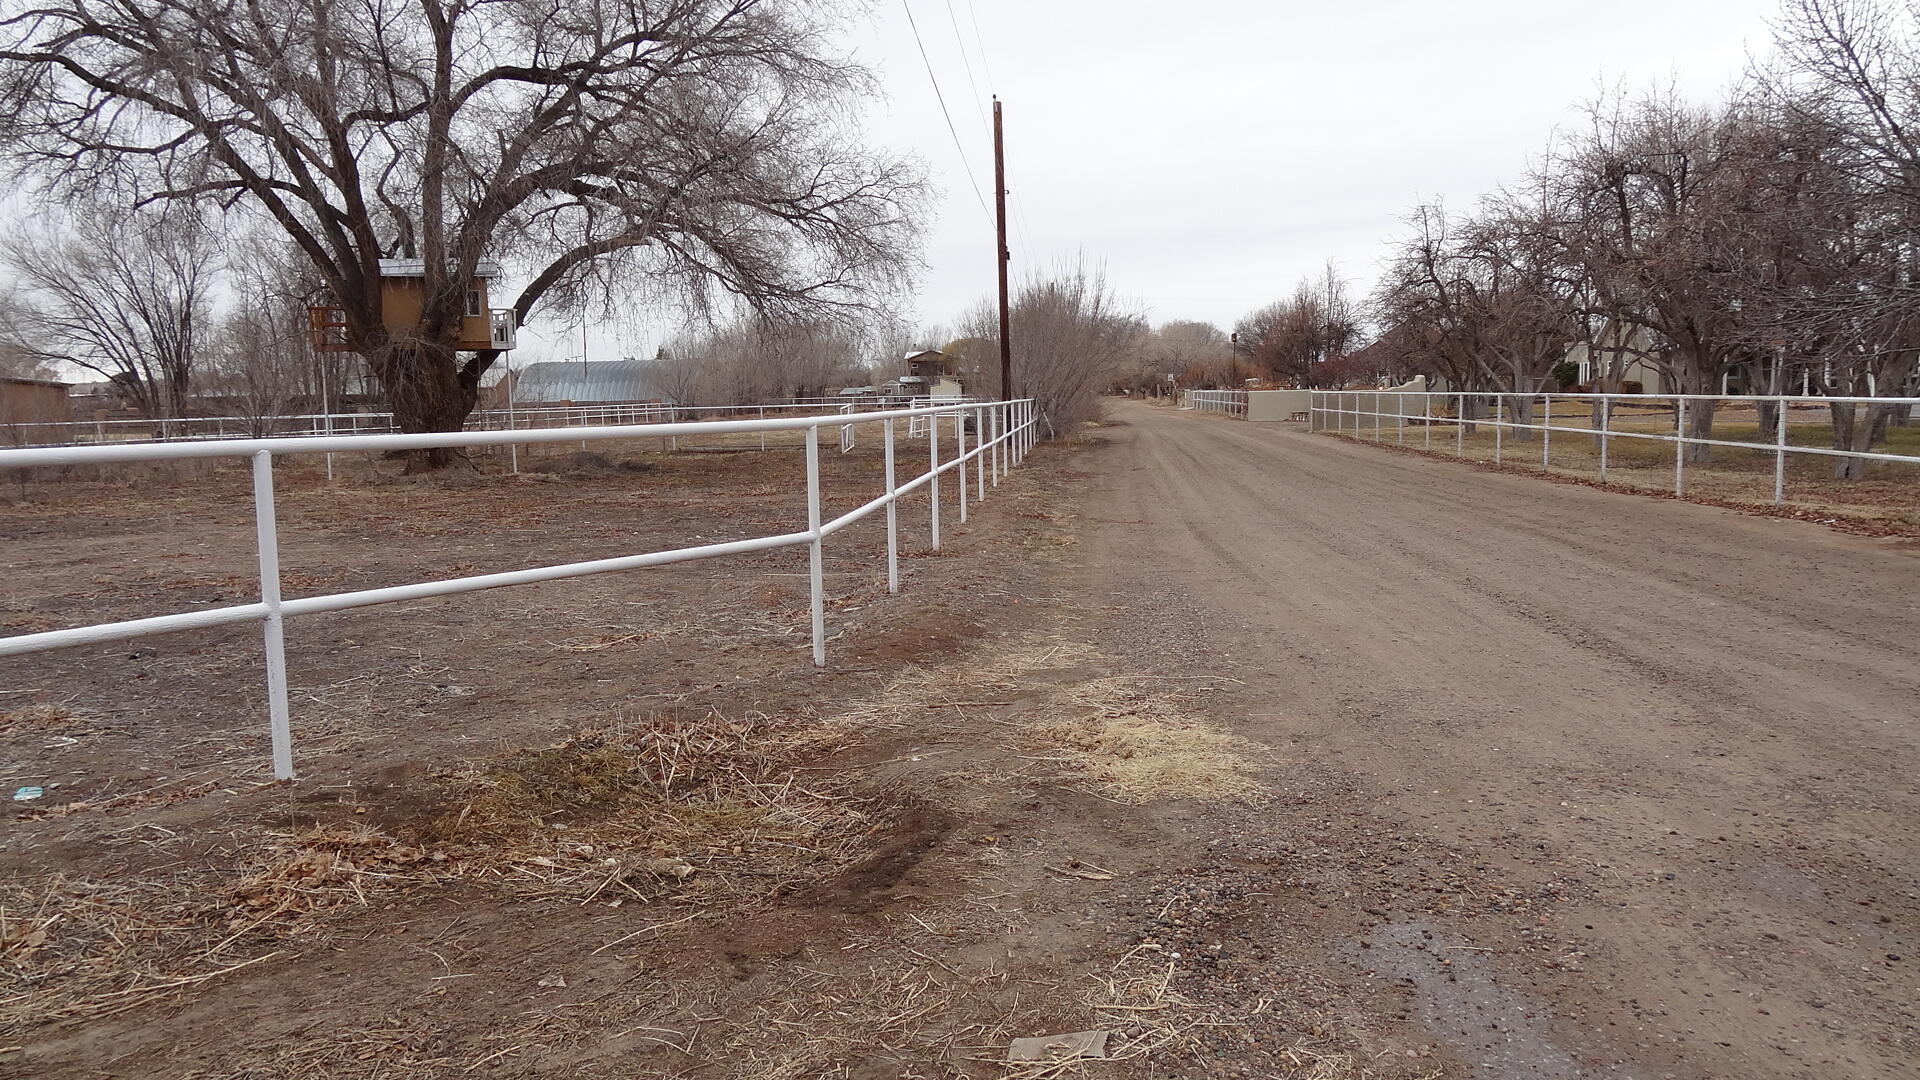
(1546,433)
(1498,427)
(993,431)
(1460,430)
(816,552)
(1680,448)
(1426,420)
(960,457)
(893,521)
(267,538)
(1780,455)
(979,455)
(933,478)
(1606,424)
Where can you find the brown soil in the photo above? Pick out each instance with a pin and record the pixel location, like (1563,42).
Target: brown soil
(1274,755)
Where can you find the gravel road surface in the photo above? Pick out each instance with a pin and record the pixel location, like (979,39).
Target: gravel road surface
(1660,760)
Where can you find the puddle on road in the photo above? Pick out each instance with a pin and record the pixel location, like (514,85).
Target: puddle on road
(1499,1032)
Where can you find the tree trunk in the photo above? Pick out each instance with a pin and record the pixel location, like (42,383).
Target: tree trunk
(1843,431)
(425,388)
(1700,426)
(1522,411)
(1859,434)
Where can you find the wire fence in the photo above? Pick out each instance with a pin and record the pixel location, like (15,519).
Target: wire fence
(1605,433)
(1002,432)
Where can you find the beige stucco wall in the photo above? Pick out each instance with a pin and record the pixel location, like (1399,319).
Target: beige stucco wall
(1276,404)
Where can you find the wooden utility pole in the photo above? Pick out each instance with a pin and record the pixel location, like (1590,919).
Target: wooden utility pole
(1000,228)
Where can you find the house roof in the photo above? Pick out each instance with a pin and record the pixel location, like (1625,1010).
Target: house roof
(924,353)
(418,268)
(24,381)
(570,380)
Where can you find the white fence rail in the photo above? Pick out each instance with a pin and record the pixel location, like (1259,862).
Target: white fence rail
(1228,402)
(1011,425)
(1363,412)
(27,433)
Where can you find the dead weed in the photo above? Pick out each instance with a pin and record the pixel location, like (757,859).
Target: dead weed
(698,813)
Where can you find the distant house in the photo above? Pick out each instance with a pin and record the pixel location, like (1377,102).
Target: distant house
(929,374)
(28,404)
(1593,360)
(571,381)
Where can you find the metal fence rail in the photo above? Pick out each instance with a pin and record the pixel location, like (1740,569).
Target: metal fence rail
(1228,402)
(35,433)
(1354,412)
(1009,427)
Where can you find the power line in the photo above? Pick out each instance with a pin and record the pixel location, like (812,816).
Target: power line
(968,64)
(974,14)
(1020,219)
(942,98)
(980,47)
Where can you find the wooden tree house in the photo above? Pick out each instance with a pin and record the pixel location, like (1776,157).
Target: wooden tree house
(402,294)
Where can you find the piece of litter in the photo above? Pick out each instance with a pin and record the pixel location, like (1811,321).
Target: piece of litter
(553,980)
(1073,1044)
(28,794)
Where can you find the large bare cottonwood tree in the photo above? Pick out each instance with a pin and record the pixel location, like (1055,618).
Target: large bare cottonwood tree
(692,149)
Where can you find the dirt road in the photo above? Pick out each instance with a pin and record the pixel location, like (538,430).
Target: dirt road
(1614,786)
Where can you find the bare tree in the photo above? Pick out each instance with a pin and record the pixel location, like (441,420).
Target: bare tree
(1291,338)
(20,356)
(1195,354)
(260,356)
(125,296)
(753,361)
(1072,338)
(692,148)
(1845,89)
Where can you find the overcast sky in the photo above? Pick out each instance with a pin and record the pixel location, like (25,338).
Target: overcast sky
(1212,152)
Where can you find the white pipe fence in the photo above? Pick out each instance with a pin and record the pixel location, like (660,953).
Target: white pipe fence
(1363,412)
(1227,402)
(1013,423)
(35,433)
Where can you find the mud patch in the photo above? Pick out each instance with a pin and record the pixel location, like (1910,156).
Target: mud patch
(1499,1032)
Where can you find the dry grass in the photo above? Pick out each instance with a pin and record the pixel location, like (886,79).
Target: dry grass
(1129,738)
(75,948)
(703,810)
(1133,739)
(37,718)
(693,813)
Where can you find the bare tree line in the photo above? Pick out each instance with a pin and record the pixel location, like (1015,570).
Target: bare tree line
(170,314)
(693,151)
(1769,242)
(752,360)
